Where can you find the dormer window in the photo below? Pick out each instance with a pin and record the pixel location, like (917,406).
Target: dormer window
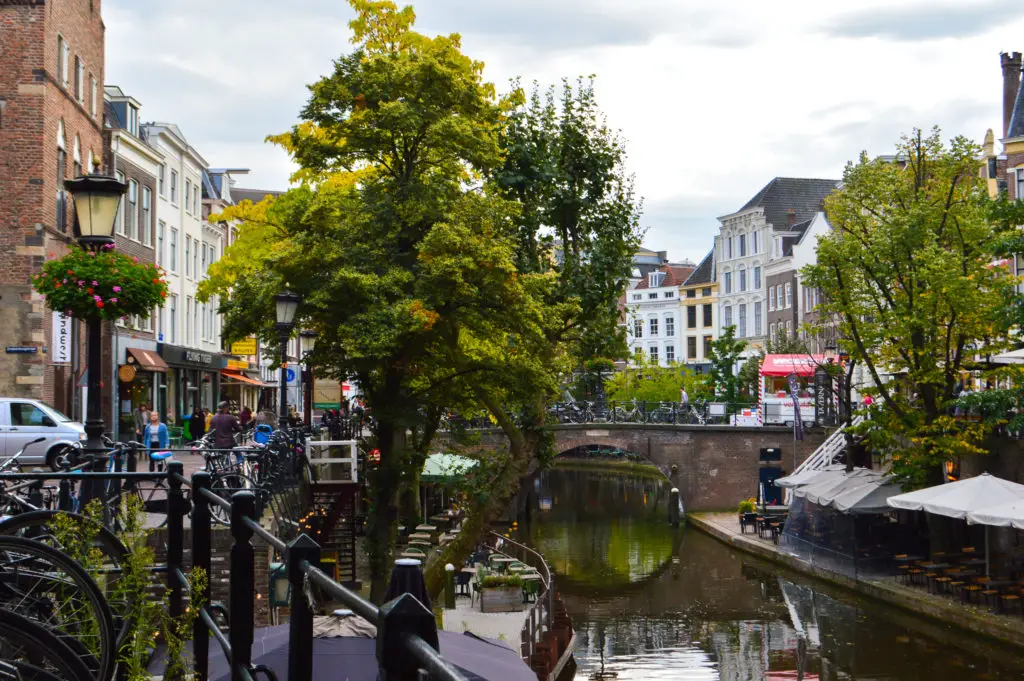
(133,120)
(654,279)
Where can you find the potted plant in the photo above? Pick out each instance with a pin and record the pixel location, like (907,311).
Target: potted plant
(500,593)
(747,506)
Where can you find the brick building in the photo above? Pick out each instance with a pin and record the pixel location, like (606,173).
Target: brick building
(51,71)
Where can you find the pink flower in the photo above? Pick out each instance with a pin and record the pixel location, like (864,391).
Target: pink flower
(96,298)
(94,283)
(113,300)
(65,281)
(81,282)
(117,289)
(134,259)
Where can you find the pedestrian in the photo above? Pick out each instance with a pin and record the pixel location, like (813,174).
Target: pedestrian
(197,424)
(245,416)
(141,421)
(207,417)
(294,418)
(154,435)
(223,426)
(684,399)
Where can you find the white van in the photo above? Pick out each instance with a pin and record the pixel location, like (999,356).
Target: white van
(24,420)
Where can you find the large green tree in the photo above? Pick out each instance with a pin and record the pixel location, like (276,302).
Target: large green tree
(908,273)
(724,356)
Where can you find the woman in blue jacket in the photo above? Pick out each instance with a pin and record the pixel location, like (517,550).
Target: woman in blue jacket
(156,439)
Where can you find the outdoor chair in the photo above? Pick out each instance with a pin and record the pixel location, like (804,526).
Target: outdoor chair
(416,549)
(748,520)
(462,584)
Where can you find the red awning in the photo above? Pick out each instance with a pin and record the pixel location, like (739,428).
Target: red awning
(242,378)
(148,360)
(784,365)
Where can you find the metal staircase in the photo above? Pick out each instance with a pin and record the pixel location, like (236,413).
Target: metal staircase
(825,455)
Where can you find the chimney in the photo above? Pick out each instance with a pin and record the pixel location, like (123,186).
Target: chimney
(1011,63)
(791,218)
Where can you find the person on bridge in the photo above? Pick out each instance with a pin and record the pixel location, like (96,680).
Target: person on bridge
(684,399)
(224,426)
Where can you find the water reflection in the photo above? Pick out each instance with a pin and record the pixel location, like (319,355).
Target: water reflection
(653,603)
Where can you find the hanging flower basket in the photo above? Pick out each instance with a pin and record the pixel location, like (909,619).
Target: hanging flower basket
(104,284)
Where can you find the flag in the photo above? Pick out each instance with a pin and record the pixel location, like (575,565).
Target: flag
(798,422)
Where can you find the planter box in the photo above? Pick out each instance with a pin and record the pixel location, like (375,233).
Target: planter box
(501,599)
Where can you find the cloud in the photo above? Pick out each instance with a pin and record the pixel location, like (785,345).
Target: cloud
(927,21)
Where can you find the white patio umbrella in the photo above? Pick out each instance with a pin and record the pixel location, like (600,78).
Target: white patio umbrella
(869,497)
(1006,515)
(824,491)
(807,476)
(958,499)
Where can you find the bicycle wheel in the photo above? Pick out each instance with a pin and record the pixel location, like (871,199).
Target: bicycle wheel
(225,485)
(39,654)
(44,585)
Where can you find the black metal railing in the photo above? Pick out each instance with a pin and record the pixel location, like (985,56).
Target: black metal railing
(541,614)
(697,413)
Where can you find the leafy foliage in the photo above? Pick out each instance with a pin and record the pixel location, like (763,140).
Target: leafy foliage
(725,353)
(107,284)
(907,272)
(647,381)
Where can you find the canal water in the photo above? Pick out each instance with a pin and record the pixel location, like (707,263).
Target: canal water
(650,602)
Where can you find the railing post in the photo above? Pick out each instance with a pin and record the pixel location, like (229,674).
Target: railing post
(64,496)
(300,627)
(175,535)
(201,559)
(399,619)
(242,587)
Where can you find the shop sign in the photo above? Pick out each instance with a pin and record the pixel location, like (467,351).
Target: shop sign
(194,358)
(126,373)
(244,347)
(326,394)
(21,349)
(61,339)
(238,364)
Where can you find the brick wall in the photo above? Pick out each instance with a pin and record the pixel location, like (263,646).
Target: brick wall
(36,104)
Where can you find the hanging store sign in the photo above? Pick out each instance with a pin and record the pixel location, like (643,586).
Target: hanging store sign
(61,339)
(244,347)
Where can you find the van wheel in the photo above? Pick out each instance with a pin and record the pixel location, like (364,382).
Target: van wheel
(53,455)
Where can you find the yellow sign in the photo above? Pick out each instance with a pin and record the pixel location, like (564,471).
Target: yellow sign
(244,347)
(239,364)
(326,394)
(126,372)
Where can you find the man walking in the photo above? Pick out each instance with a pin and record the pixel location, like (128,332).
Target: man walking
(224,425)
(141,420)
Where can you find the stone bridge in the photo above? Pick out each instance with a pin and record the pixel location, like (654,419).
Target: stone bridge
(714,467)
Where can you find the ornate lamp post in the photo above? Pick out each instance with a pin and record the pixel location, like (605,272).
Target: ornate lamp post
(307,339)
(97,198)
(287,303)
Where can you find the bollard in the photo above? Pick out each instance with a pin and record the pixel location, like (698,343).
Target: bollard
(201,558)
(242,586)
(300,625)
(449,586)
(673,507)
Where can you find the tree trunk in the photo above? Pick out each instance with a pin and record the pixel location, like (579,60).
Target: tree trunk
(383,516)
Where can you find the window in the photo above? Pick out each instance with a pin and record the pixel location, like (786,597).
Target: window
(27,414)
(210,322)
(728,315)
(195,258)
(195,201)
(638,328)
(131,215)
(778,297)
(670,353)
(146,225)
(692,293)
(757,318)
(203,271)
(789,328)
(652,296)
(188,258)
(653,352)
(652,324)
(1020,183)
(741,312)
(728,248)
(188,196)
(771,332)
(202,320)
(743,279)
(172,251)
(670,326)
(161,228)
(691,347)
(172,321)
(147,322)
(62,159)
(174,187)
(79,88)
(637,296)
(133,120)
(707,315)
(92,95)
(771,298)
(789,295)
(63,52)
(705,292)
(195,323)
(728,282)
(743,245)
(757,277)
(670,294)
(654,279)
(161,326)
(161,181)
(691,316)
(188,319)
(753,243)
(707,346)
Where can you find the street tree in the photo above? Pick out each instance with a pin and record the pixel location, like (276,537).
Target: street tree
(908,273)
(724,356)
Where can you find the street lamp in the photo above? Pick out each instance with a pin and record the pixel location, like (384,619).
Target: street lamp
(96,201)
(287,303)
(307,339)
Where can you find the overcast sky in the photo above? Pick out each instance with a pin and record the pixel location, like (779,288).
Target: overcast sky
(714,97)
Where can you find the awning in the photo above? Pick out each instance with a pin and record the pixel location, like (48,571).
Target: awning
(148,360)
(810,475)
(242,378)
(446,467)
(871,497)
(784,365)
(1012,357)
(824,492)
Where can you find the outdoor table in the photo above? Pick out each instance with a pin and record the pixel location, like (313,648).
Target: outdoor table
(501,563)
(973,562)
(421,535)
(426,528)
(959,574)
(904,560)
(935,566)
(516,568)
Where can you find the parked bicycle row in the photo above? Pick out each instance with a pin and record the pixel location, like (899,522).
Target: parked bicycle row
(699,412)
